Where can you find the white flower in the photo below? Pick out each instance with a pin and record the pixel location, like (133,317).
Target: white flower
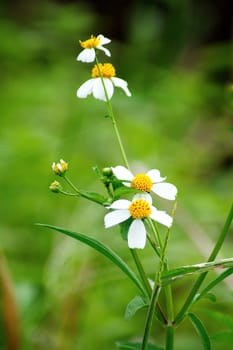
(138,209)
(151,181)
(88,54)
(95,85)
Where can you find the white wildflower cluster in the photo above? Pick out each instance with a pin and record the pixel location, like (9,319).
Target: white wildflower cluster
(103,80)
(140,208)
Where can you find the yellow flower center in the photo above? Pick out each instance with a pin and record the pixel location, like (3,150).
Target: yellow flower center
(142,182)
(91,43)
(107,70)
(140,209)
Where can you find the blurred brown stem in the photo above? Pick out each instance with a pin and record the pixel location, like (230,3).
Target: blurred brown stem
(9,306)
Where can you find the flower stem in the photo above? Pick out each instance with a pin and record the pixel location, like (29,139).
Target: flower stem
(169,337)
(71,184)
(188,302)
(155,296)
(157,237)
(111,115)
(141,271)
(150,314)
(159,311)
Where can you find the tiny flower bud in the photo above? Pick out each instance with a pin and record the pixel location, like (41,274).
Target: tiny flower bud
(55,187)
(107,172)
(60,168)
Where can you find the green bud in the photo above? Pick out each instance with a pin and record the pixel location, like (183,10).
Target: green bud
(107,172)
(55,187)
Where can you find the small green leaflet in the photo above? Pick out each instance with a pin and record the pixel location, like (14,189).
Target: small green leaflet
(134,305)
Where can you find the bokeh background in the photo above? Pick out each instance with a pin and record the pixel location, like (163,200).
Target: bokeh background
(177,58)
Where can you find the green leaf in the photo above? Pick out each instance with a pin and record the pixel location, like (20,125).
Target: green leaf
(210,296)
(172,275)
(104,250)
(135,346)
(93,196)
(123,190)
(134,305)
(212,284)
(201,330)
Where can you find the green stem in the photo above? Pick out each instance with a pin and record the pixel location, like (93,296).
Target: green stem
(69,194)
(111,114)
(168,291)
(144,279)
(156,234)
(71,184)
(141,271)
(169,337)
(153,245)
(150,314)
(170,315)
(188,302)
(169,303)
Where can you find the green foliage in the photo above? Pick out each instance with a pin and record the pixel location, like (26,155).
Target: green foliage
(100,247)
(184,271)
(201,331)
(134,305)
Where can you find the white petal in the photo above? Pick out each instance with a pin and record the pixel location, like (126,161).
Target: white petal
(109,87)
(145,196)
(161,216)
(154,174)
(98,90)
(165,190)
(85,89)
(137,235)
(116,217)
(123,173)
(122,84)
(120,204)
(103,40)
(87,55)
(106,51)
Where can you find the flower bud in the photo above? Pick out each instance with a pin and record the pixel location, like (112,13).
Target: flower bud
(55,187)
(60,168)
(107,172)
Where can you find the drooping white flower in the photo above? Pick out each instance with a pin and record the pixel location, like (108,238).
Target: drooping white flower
(88,54)
(139,209)
(151,181)
(105,72)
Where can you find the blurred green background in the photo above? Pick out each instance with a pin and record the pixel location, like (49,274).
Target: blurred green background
(176,56)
